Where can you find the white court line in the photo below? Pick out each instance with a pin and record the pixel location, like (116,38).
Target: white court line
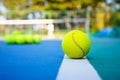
(77,69)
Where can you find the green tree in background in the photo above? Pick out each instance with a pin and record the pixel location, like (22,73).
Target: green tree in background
(15,4)
(49,4)
(23,7)
(64,4)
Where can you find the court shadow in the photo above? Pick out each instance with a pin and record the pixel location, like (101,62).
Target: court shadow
(66,57)
(90,58)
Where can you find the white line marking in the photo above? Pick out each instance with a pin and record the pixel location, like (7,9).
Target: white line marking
(77,69)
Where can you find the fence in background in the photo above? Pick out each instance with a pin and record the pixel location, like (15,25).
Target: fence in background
(44,26)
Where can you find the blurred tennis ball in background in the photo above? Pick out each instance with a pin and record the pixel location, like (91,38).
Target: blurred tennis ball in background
(9,39)
(20,39)
(29,38)
(76,44)
(16,32)
(37,38)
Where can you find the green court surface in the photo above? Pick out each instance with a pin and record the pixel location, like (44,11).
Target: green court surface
(105,56)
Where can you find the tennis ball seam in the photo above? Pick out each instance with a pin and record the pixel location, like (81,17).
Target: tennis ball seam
(78,45)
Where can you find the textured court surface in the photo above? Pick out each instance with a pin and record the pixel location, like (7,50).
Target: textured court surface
(43,61)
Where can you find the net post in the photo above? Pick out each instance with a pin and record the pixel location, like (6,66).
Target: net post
(87,27)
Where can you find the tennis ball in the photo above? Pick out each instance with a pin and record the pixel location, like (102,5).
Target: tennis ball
(20,39)
(16,32)
(76,44)
(9,39)
(37,38)
(29,39)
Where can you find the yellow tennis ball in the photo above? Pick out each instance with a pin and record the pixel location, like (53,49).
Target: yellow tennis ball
(76,44)
(37,38)
(20,39)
